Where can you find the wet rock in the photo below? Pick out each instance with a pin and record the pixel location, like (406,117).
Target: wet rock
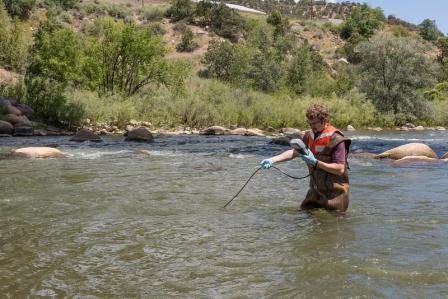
(255,132)
(23,129)
(11,118)
(141,152)
(13,110)
(362,155)
(404,129)
(214,130)
(412,160)
(290,131)
(6,127)
(282,140)
(410,149)
(38,152)
(419,128)
(409,125)
(40,132)
(440,129)
(376,129)
(445,156)
(238,131)
(350,128)
(141,134)
(86,135)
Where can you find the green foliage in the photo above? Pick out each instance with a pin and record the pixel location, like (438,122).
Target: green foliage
(179,10)
(219,59)
(362,20)
(153,14)
(19,8)
(442,58)
(393,71)
(227,22)
(187,44)
(280,24)
(438,93)
(46,97)
(304,68)
(13,46)
(124,58)
(346,79)
(266,71)
(63,3)
(57,55)
(429,30)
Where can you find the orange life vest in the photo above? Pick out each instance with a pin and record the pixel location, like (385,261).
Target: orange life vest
(323,140)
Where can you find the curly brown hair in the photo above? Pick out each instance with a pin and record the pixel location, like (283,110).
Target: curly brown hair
(318,111)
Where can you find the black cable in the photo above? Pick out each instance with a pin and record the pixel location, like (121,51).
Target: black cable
(281,171)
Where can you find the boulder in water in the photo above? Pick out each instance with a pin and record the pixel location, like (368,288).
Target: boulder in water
(6,128)
(23,129)
(86,135)
(38,152)
(412,160)
(214,130)
(141,134)
(410,149)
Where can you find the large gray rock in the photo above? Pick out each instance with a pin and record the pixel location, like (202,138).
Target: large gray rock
(410,149)
(24,109)
(38,152)
(12,118)
(13,110)
(214,130)
(86,135)
(23,129)
(141,134)
(6,127)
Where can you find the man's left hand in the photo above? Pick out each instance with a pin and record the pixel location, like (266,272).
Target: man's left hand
(309,159)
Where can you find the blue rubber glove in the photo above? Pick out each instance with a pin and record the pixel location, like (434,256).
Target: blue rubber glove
(266,163)
(309,159)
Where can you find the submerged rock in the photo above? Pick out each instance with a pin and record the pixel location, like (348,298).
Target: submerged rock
(141,134)
(410,149)
(214,130)
(86,135)
(38,152)
(409,160)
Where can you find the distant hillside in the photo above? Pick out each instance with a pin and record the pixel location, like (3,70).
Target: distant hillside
(301,9)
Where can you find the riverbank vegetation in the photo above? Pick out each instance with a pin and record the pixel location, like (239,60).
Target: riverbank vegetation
(196,65)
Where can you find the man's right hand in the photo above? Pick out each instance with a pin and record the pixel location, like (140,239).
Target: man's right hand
(266,163)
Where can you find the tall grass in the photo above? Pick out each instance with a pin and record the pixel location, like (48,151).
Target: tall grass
(210,102)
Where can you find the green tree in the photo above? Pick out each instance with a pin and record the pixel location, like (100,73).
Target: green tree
(13,47)
(58,56)
(429,30)
(362,20)
(303,67)
(123,58)
(179,10)
(279,23)
(187,44)
(219,59)
(393,71)
(20,8)
(266,71)
(227,22)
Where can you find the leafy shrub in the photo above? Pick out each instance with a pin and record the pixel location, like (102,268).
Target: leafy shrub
(152,14)
(20,8)
(13,45)
(187,44)
(362,20)
(180,10)
(429,30)
(393,71)
(49,103)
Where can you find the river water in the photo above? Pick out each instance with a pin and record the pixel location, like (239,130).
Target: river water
(112,222)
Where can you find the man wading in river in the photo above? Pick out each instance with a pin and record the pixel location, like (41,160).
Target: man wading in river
(326,160)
